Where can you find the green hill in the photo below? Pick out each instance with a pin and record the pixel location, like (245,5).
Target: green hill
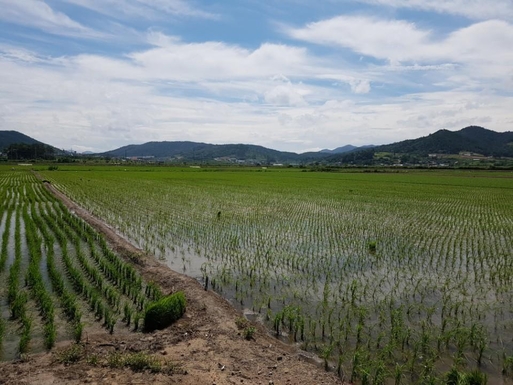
(14,137)
(472,139)
(18,146)
(199,152)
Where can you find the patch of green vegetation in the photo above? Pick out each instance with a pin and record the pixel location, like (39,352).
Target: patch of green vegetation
(140,362)
(242,323)
(71,354)
(165,311)
(458,377)
(249,332)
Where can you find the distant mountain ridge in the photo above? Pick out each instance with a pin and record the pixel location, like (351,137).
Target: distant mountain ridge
(472,139)
(345,149)
(14,137)
(193,151)
(340,150)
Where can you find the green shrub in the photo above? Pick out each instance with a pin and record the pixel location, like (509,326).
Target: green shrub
(139,362)
(456,377)
(242,323)
(249,332)
(476,377)
(71,354)
(164,312)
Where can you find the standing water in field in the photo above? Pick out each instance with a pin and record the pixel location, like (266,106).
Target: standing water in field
(397,276)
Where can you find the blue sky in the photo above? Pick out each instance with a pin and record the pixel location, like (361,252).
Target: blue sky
(292,75)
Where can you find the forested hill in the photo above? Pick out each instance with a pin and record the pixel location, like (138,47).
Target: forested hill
(472,139)
(205,152)
(14,137)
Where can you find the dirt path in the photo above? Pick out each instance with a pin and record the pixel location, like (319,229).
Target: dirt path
(206,344)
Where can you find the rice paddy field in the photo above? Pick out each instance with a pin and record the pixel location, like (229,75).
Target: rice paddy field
(58,276)
(389,277)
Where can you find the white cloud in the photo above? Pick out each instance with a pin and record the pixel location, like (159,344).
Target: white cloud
(148,9)
(275,95)
(38,14)
(480,51)
(285,95)
(384,39)
(77,108)
(473,9)
(217,60)
(401,41)
(360,86)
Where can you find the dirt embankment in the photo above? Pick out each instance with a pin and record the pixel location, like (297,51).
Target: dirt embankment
(206,344)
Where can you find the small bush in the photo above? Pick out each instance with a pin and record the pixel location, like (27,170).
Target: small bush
(456,377)
(164,312)
(476,377)
(139,362)
(71,354)
(507,366)
(242,323)
(249,332)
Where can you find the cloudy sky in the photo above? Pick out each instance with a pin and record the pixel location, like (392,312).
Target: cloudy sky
(292,75)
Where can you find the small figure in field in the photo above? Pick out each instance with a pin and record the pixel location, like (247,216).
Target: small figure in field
(219,215)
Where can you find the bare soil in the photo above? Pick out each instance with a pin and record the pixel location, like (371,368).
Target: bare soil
(206,345)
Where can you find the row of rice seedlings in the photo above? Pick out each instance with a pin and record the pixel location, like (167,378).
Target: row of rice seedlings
(5,239)
(120,273)
(109,292)
(113,268)
(17,297)
(4,208)
(34,279)
(95,277)
(75,275)
(67,299)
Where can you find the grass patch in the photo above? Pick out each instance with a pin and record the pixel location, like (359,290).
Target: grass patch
(164,312)
(71,354)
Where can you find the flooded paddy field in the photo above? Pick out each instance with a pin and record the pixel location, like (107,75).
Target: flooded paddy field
(390,277)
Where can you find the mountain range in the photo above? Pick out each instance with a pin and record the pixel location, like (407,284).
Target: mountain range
(14,137)
(472,139)
(199,152)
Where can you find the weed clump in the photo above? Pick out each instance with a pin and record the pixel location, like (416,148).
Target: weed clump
(165,311)
(71,354)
